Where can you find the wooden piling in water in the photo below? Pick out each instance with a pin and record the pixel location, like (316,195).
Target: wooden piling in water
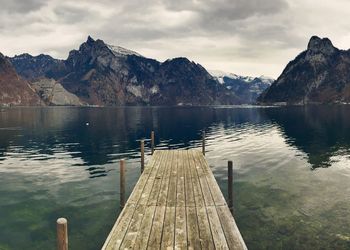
(230,185)
(122,183)
(62,234)
(203,142)
(152,142)
(142,155)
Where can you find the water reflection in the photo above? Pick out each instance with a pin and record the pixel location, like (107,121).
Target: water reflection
(100,136)
(319,131)
(110,134)
(53,164)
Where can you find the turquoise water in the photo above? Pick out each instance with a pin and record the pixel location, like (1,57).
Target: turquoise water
(291,170)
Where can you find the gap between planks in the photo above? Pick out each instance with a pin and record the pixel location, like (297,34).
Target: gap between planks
(176,204)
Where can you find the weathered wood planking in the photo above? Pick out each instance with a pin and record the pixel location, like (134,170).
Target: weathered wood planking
(176,204)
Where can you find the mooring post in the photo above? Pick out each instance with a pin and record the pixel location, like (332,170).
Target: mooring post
(122,183)
(152,142)
(142,155)
(62,234)
(203,142)
(230,185)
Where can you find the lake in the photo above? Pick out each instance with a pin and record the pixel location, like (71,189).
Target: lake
(291,170)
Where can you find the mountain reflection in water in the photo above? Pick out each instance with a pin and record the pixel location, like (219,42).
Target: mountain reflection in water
(59,161)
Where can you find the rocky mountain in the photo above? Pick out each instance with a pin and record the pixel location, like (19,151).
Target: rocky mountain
(33,67)
(52,92)
(101,74)
(320,74)
(13,89)
(247,88)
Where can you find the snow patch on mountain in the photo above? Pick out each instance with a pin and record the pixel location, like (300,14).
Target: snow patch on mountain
(266,79)
(220,75)
(248,88)
(120,51)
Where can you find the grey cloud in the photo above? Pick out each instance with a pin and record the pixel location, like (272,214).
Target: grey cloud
(20,6)
(223,31)
(228,9)
(72,14)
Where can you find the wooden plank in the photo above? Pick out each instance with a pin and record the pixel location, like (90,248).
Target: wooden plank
(171,200)
(157,227)
(158,223)
(205,236)
(117,235)
(180,190)
(193,192)
(168,229)
(180,223)
(190,202)
(144,233)
(163,195)
(218,198)
(176,204)
(119,229)
(155,237)
(197,190)
(202,179)
(138,189)
(135,224)
(233,236)
(216,229)
(168,236)
(180,228)
(141,240)
(153,198)
(192,228)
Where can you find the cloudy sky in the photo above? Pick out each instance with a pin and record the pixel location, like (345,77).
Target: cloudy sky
(248,37)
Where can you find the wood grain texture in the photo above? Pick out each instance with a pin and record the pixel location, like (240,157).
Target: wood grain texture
(176,204)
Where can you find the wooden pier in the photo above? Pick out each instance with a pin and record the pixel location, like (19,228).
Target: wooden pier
(176,204)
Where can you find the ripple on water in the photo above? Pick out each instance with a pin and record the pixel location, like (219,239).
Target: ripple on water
(56,166)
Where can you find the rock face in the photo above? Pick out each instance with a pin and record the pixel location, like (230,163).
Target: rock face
(101,74)
(13,89)
(52,92)
(33,67)
(320,74)
(245,87)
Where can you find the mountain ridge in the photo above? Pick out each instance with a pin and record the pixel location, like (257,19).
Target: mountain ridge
(105,75)
(14,91)
(318,75)
(247,88)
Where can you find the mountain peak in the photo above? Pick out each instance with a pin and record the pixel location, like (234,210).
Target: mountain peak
(318,75)
(323,45)
(90,39)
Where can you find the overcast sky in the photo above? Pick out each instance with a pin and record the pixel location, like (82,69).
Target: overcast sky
(248,37)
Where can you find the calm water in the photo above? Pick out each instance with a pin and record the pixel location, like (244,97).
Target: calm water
(292,170)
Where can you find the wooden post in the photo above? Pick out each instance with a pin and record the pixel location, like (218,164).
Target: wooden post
(230,185)
(62,234)
(152,142)
(122,183)
(203,143)
(142,155)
